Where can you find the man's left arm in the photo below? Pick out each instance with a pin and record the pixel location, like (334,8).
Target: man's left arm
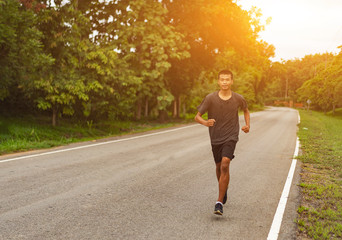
(247,121)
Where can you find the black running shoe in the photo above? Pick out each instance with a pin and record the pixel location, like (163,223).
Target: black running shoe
(218,209)
(225,199)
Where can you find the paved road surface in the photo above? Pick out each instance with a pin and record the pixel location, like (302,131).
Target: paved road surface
(159,186)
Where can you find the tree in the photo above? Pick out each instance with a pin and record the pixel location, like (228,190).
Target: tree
(221,27)
(148,43)
(325,88)
(63,27)
(276,87)
(301,70)
(334,81)
(22,59)
(84,74)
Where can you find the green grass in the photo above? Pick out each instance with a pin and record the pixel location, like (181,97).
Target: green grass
(35,132)
(23,134)
(320,213)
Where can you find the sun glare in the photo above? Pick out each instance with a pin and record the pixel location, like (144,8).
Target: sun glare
(300,27)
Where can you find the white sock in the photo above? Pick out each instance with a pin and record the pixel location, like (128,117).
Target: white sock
(219,203)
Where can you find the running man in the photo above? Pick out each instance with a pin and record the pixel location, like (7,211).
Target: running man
(223,123)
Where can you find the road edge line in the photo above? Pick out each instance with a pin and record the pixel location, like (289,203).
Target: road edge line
(95,144)
(278,216)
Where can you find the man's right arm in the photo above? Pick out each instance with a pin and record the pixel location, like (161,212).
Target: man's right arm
(200,120)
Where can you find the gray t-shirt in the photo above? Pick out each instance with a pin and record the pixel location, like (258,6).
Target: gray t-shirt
(225,112)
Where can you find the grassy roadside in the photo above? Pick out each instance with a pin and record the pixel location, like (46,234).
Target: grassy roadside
(23,134)
(28,133)
(320,213)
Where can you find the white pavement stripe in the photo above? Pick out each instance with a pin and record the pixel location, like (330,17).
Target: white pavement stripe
(278,217)
(96,144)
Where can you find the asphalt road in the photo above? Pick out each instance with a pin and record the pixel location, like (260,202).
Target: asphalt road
(156,185)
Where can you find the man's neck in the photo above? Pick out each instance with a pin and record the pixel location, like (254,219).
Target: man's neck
(225,94)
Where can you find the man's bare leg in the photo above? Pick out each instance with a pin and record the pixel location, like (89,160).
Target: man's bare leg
(218,171)
(222,173)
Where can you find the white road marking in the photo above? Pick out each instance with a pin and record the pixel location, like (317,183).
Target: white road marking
(96,144)
(278,217)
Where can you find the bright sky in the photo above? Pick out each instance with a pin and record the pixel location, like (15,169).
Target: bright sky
(300,27)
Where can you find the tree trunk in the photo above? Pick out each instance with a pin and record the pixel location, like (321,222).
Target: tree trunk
(174,108)
(146,108)
(138,110)
(179,107)
(54,115)
(184,110)
(162,114)
(286,88)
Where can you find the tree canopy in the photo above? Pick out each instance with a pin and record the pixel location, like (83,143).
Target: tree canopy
(129,59)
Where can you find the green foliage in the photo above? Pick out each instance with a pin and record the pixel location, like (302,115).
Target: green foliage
(21,57)
(63,27)
(149,44)
(308,78)
(325,88)
(99,60)
(164,100)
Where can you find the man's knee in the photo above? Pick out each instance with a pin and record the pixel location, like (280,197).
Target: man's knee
(225,164)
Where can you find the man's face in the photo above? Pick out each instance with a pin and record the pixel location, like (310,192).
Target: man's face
(225,81)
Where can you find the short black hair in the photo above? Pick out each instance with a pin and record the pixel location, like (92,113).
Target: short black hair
(225,71)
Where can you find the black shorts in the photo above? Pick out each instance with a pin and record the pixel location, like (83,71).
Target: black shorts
(223,150)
